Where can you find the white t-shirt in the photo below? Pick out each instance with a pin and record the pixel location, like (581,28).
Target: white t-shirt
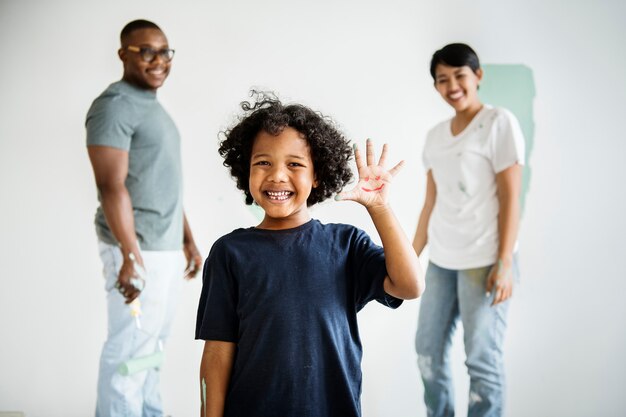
(463,227)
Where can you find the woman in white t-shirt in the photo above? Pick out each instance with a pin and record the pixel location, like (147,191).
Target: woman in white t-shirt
(470,220)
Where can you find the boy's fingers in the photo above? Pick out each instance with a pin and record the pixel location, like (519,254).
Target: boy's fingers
(348,195)
(383,156)
(393,171)
(357,157)
(370,152)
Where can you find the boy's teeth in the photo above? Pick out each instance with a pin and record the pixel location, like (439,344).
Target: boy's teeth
(281,195)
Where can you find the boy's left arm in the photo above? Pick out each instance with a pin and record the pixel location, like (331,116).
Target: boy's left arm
(405,278)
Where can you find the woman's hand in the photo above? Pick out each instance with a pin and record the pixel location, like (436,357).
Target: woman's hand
(500,281)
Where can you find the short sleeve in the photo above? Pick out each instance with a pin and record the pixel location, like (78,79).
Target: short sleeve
(425,161)
(369,267)
(217,317)
(109,122)
(507,142)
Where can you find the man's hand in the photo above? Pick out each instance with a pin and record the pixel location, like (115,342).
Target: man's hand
(130,281)
(194,260)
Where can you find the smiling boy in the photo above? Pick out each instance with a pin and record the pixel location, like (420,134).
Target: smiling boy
(279,301)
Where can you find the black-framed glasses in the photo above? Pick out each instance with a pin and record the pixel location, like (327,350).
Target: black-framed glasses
(149,54)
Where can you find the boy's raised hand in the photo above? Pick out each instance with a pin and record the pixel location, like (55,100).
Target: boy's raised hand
(372,190)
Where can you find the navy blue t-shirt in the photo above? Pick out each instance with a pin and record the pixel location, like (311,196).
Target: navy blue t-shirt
(289,299)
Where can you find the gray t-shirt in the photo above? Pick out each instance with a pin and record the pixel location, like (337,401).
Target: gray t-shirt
(129,118)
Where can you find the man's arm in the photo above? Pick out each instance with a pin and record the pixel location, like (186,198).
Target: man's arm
(194,260)
(110,168)
(421,234)
(215,371)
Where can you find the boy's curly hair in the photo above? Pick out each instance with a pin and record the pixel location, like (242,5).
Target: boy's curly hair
(330,150)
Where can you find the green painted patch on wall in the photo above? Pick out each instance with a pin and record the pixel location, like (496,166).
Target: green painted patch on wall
(257,212)
(512,86)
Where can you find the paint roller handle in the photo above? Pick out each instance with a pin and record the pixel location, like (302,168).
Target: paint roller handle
(132,366)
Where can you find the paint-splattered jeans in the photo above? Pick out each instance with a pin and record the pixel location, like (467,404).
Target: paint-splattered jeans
(136,395)
(451,294)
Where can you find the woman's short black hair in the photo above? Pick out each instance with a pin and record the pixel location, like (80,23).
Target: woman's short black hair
(455,55)
(330,150)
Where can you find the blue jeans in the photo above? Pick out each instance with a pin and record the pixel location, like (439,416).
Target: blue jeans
(136,395)
(451,294)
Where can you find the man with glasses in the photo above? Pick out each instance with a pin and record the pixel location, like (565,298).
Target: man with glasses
(134,148)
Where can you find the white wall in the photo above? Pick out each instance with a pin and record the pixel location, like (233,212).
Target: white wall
(366,64)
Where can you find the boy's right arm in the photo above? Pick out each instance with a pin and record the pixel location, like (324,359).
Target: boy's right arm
(421,235)
(215,370)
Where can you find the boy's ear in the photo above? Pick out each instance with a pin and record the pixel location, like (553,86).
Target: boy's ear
(315,183)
